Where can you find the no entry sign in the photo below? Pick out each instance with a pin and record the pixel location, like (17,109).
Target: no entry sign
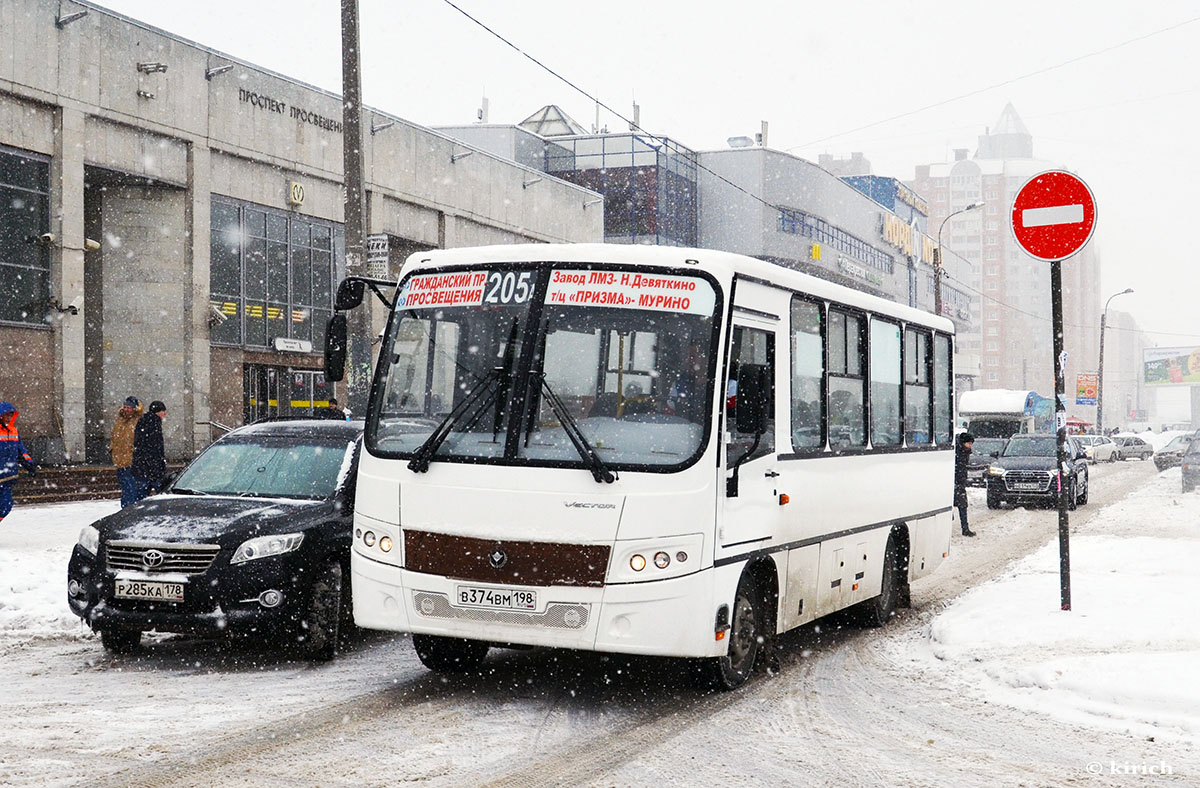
(1053,215)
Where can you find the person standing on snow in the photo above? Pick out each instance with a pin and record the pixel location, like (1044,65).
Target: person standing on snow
(12,457)
(120,446)
(962,454)
(149,458)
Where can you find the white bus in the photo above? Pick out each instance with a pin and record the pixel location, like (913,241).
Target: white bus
(645,450)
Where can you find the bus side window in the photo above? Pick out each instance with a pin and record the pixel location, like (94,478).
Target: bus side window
(750,346)
(847,384)
(808,367)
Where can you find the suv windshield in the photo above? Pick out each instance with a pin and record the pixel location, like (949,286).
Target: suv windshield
(1041,446)
(988,445)
(267,467)
(528,357)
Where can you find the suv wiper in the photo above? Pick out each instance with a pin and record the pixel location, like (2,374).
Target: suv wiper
(591,459)
(185,491)
(487,388)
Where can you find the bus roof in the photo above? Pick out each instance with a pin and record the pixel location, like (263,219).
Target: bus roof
(723,265)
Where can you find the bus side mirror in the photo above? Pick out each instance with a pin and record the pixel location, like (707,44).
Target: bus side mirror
(349,294)
(752,410)
(335,348)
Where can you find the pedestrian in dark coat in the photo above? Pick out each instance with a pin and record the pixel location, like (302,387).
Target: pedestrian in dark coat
(962,454)
(149,458)
(13,456)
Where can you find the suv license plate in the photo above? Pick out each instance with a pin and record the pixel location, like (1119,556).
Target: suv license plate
(1027,486)
(495,598)
(146,589)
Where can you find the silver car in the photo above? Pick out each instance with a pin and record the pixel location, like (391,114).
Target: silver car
(1130,446)
(1098,448)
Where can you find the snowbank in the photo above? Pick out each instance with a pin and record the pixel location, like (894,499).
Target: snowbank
(35,546)
(1125,656)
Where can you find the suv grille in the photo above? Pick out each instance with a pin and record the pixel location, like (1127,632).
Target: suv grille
(1014,478)
(188,559)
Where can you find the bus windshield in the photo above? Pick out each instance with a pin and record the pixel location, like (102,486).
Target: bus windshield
(548,365)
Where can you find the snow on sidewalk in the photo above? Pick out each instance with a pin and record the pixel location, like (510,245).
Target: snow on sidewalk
(1126,656)
(35,547)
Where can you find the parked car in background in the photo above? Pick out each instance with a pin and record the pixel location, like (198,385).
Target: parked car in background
(1189,464)
(1169,456)
(1026,472)
(1130,446)
(983,453)
(252,538)
(1099,448)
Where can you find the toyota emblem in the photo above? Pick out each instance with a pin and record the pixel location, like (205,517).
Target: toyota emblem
(153,559)
(497,558)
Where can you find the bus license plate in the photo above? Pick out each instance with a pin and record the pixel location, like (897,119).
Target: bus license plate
(496,598)
(1027,486)
(145,589)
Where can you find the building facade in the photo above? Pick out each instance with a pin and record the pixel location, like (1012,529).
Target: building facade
(170,225)
(1013,307)
(865,231)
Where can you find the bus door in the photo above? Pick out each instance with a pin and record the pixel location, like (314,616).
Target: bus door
(752,513)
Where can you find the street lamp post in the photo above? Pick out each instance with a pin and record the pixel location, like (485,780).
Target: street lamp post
(1100,373)
(937,257)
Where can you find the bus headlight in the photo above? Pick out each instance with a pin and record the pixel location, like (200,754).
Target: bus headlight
(643,560)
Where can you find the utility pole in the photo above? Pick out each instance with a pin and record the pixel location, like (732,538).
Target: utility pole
(358,333)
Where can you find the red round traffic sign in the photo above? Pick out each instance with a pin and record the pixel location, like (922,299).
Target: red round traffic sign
(1053,215)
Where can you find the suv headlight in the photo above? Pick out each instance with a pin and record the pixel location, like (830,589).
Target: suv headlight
(89,539)
(263,546)
(995,470)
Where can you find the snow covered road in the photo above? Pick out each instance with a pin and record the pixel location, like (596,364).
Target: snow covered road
(995,686)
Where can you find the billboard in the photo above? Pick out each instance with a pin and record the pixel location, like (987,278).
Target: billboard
(1085,388)
(1171,366)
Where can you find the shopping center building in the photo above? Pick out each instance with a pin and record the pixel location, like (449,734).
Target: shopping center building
(170,225)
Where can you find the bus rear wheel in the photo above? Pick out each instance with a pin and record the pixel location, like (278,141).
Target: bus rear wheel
(744,640)
(449,655)
(876,612)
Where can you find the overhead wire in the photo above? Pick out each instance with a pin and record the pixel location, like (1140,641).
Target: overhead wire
(662,140)
(1001,84)
(632,125)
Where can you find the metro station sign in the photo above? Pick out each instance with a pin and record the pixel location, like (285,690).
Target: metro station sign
(1053,215)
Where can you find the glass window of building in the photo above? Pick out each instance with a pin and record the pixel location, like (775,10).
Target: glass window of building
(272,274)
(24,217)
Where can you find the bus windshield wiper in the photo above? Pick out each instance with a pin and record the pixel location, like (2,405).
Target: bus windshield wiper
(487,388)
(591,459)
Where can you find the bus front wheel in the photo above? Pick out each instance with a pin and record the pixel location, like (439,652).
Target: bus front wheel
(449,655)
(745,638)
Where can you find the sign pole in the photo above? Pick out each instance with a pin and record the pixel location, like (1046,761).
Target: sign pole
(1060,422)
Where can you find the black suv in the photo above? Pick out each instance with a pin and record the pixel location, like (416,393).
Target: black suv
(253,537)
(983,454)
(1025,472)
